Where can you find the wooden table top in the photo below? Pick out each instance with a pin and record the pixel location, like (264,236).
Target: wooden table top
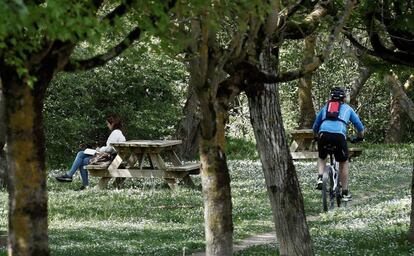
(147,143)
(301,131)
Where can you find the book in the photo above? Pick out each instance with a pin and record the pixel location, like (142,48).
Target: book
(89,151)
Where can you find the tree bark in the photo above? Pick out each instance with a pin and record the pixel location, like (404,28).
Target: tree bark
(280,174)
(365,73)
(411,230)
(215,174)
(398,118)
(28,233)
(188,127)
(395,131)
(205,70)
(398,92)
(306,108)
(216,182)
(3,173)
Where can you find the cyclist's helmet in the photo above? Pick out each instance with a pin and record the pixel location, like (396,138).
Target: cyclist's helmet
(337,93)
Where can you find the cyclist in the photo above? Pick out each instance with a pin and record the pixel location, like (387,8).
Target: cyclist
(330,127)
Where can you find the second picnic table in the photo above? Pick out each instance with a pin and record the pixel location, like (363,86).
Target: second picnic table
(146,159)
(303,145)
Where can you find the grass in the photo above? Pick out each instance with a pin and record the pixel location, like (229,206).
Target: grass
(145,218)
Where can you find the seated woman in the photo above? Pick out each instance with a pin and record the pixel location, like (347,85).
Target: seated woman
(115,125)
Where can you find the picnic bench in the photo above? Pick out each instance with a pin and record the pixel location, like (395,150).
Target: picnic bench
(303,146)
(145,159)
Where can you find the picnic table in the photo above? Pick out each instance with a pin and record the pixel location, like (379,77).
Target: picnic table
(303,146)
(145,159)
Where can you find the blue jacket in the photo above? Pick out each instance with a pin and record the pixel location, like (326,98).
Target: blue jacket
(346,114)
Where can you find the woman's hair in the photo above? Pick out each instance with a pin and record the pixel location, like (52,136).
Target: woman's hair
(115,121)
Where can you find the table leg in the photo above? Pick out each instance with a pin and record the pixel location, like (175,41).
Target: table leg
(174,158)
(171,183)
(294,146)
(118,182)
(103,183)
(188,182)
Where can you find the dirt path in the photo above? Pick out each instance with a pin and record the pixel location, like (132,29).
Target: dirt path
(270,237)
(264,238)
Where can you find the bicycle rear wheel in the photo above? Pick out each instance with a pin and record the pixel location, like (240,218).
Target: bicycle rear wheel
(327,184)
(338,195)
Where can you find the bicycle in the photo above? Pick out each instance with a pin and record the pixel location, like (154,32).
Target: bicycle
(330,182)
(330,179)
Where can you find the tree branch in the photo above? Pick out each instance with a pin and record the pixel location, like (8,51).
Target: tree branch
(260,76)
(294,8)
(296,30)
(101,59)
(118,11)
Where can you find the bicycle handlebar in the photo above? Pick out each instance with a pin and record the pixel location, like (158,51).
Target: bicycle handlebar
(356,140)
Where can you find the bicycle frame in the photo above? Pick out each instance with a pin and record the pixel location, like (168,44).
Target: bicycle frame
(335,171)
(331,185)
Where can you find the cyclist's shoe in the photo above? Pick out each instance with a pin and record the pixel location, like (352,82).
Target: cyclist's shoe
(319,183)
(346,196)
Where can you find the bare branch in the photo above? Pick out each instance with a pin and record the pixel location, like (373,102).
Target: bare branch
(359,46)
(118,11)
(300,30)
(317,60)
(380,51)
(294,8)
(101,59)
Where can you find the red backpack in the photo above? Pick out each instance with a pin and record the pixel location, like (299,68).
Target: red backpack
(332,110)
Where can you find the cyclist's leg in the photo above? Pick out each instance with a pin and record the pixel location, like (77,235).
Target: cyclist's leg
(322,154)
(343,174)
(321,165)
(341,155)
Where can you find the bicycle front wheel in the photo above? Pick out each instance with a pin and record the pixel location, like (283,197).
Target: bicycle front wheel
(327,185)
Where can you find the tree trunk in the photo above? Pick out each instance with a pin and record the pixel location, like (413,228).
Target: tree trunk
(411,230)
(3,173)
(398,118)
(215,177)
(395,131)
(205,69)
(280,174)
(365,73)
(188,127)
(216,185)
(28,233)
(306,108)
(398,92)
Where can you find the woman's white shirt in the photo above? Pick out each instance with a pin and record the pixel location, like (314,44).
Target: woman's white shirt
(115,136)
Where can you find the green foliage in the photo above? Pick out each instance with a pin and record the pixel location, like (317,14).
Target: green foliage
(143,88)
(239,148)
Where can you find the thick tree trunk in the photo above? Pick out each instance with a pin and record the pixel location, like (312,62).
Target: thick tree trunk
(215,177)
(280,174)
(216,191)
(398,118)
(28,233)
(205,69)
(188,127)
(411,230)
(399,94)
(3,173)
(365,73)
(395,131)
(306,108)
